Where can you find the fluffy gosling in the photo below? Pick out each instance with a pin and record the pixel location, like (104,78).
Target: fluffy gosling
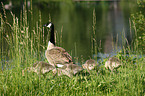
(113,63)
(68,69)
(39,67)
(90,65)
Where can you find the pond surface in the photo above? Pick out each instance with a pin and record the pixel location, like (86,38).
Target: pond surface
(75,19)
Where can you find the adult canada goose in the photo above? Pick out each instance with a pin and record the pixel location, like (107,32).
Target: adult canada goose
(113,63)
(56,56)
(90,64)
(40,67)
(68,69)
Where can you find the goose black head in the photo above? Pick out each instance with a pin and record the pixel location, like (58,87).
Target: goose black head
(49,24)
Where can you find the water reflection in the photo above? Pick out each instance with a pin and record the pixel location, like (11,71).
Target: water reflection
(76,19)
(116,28)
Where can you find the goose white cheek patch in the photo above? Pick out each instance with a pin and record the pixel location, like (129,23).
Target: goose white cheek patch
(49,25)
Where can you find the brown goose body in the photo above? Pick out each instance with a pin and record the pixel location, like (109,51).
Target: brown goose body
(113,63)
(57,56)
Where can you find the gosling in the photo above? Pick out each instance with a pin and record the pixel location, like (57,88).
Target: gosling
(113,63)
(90,65)
(68,69)
(40,67)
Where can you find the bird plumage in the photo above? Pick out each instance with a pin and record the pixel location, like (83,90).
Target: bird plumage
(56,56)
(40,67)
(68,69)
(113,63)
(89,64)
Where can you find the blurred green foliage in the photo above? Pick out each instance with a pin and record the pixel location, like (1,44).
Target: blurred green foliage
(138,20)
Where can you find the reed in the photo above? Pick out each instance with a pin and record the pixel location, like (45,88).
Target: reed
(93,36)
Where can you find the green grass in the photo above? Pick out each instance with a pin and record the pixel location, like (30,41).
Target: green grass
(23,51)
(128,81)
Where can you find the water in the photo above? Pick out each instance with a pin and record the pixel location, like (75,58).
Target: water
(76,18)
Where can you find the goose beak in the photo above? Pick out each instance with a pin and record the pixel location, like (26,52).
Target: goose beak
(44,25)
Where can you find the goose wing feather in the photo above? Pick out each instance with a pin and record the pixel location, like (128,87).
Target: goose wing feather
(59,55)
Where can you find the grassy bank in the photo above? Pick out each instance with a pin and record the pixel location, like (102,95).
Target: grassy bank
(128,81)
(23,50)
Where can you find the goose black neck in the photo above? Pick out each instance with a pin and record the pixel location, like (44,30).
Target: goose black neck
(52,40)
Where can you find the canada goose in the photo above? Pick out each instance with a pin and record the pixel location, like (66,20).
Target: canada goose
(90,64)
(113,63)
(56,56)
(68,69)
(40,67)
